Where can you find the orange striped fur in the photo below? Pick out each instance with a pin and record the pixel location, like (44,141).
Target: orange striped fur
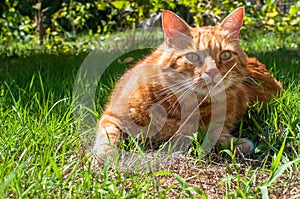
(185,68)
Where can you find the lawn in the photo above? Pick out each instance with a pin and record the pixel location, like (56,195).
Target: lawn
(42,154)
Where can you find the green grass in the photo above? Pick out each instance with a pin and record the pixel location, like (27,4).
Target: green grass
(42,155)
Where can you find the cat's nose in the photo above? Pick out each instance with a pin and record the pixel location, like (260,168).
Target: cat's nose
(212,72)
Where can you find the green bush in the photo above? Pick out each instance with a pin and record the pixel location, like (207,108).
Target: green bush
(63,20)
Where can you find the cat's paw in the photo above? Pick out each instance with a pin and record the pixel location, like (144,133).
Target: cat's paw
(244,145)
(102,154)
(104,151)
(106,142)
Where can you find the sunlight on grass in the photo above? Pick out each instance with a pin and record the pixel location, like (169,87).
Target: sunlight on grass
(42,154)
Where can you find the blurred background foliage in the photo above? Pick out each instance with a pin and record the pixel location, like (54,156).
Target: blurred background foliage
(56,25)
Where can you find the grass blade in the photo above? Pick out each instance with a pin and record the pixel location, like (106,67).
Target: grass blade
(197,191)
(56,169)
(264,192)
(280,170)
(277,159)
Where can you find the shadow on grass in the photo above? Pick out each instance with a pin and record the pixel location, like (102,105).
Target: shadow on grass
(50,73)
(44,74)
(57,72)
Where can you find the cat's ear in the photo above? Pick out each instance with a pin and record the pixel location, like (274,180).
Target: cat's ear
(176,30)
(234,21)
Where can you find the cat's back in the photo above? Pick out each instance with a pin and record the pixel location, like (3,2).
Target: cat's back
(259,84)
(141,79)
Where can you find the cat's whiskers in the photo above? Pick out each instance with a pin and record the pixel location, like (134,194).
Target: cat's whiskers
(177,90)
(174,86)
(168,91)
(168,86)
(181,86)
(203,100)
(185,93)
(188,89)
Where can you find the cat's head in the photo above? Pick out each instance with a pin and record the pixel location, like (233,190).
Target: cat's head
(206,55)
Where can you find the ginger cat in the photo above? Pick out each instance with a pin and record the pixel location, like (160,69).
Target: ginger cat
(174,89)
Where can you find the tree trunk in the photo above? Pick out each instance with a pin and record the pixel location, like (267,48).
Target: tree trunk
(40,22)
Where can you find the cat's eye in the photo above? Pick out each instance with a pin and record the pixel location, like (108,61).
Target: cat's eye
(192,57)
(226,55)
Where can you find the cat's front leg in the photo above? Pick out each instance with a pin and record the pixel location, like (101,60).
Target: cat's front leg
(243,145)
(108,136)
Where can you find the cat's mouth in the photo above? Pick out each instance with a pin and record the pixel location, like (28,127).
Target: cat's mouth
(211,88)
(211,85)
